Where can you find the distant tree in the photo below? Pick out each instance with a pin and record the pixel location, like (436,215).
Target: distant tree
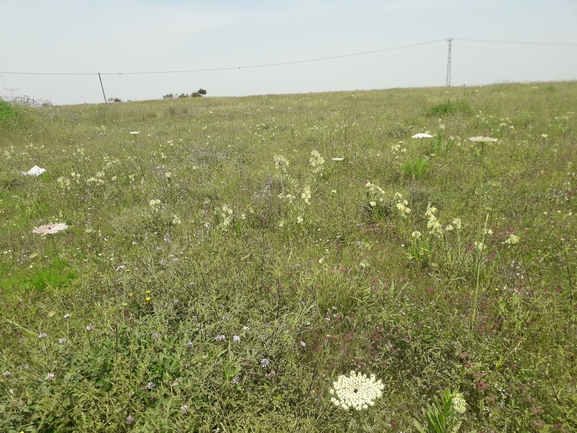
(114,100)
(198,93)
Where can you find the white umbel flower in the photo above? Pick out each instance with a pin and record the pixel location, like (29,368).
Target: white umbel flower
(483,139)
(356,391)
(49,229)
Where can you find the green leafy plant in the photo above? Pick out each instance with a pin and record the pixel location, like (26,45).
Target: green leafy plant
(444,415)
(416,168)
(450,107)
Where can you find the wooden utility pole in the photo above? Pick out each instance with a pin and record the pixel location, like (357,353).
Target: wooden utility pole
(102,86)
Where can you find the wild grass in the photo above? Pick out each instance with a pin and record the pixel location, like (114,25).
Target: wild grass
(227,259)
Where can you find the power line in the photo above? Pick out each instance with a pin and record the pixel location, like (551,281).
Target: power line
(230,67)
(517,42)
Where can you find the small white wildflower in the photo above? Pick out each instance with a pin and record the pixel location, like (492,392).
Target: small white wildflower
(183,409)
(49,376)
(512,239)
(6,373)
(236,338)
(219,338)
(43,335)
(62,340)
(264,363)
(316,161)
(281,163)
(416,234)
(306,194)
(457,223)
(483,139)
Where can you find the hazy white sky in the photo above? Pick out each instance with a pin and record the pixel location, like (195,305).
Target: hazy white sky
(124,36)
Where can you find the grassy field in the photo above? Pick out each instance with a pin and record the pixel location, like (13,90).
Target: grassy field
(225,264)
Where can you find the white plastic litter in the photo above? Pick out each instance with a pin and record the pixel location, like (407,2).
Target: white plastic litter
(34,171)
(422,135)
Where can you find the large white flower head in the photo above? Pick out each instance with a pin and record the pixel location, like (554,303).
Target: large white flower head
(49,229)
(356,391)
(483,139)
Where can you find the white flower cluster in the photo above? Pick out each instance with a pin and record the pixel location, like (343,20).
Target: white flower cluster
(434,226)
(226,216)
(459,404)
(402,205)
(317,161)
(306,194)
(357,391)
(375,194)
(512,239)
(63,182)
(281,163)
(288,197)
(98,178)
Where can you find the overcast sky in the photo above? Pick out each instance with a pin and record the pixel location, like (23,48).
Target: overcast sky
(127,36)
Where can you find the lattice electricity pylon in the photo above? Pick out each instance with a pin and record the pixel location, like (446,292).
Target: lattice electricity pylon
(449,64)
(11,91)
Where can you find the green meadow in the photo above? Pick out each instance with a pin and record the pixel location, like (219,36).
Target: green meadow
(228,264)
